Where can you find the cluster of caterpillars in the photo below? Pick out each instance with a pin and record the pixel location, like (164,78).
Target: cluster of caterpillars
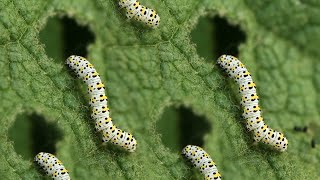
(200,159)
(103,122)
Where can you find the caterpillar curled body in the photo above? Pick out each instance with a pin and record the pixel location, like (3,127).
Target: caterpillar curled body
(250,103)
(202,161)
(140,13)
(52,166)
(98,103)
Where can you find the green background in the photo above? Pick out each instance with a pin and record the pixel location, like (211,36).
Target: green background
(163,86)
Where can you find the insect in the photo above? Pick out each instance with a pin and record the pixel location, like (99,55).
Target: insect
(301,129)
(98,103)
(311,130)
(140,13)
(250,103)
(202,161)
(52,165)
(313,143)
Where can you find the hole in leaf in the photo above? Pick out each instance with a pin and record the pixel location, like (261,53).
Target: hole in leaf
(180,126)
(168,127)
(215,36)
(63,37)
(32,134)
(193,128)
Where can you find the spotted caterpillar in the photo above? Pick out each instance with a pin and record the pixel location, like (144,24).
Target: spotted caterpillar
(140,13)
(98,102)
(250,103)
(202,161)
(52,165)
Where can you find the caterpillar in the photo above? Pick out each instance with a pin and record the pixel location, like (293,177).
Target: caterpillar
(140,13)
(52,166)
(202,161)
(250,103)
(98,103)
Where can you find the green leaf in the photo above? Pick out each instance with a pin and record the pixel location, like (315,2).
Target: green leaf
(147,71)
